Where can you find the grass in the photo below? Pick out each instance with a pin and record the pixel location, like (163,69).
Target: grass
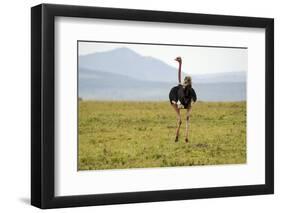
(116,135)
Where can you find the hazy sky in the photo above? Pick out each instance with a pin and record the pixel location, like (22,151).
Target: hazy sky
(196,60)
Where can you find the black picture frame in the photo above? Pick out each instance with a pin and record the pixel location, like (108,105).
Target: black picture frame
(43,105)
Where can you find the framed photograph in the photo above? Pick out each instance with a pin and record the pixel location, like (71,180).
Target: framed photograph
(136,106)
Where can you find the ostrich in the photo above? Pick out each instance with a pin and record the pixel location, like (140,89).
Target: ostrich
(181,97)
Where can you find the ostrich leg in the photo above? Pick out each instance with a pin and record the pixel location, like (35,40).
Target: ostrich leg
(178,121)
(188,112)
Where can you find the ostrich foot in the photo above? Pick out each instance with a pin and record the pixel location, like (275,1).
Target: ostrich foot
(177,138)
(186,140)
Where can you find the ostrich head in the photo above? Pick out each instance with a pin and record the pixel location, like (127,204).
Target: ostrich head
(178,59)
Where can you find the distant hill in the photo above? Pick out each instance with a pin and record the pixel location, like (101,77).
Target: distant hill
(125,61)
(110,86)
(220,77)
(122,74)
(100,85)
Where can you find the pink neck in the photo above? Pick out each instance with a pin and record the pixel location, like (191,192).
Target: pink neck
(179,73)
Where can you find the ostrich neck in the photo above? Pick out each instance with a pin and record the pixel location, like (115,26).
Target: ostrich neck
(179,73)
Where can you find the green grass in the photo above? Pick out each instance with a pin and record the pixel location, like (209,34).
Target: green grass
(115,135)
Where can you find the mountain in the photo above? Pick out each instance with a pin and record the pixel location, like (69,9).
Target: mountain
(127,62)
(220,77)
(122,74)
(100,85)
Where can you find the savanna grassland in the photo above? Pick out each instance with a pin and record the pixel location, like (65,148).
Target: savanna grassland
(115,135)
